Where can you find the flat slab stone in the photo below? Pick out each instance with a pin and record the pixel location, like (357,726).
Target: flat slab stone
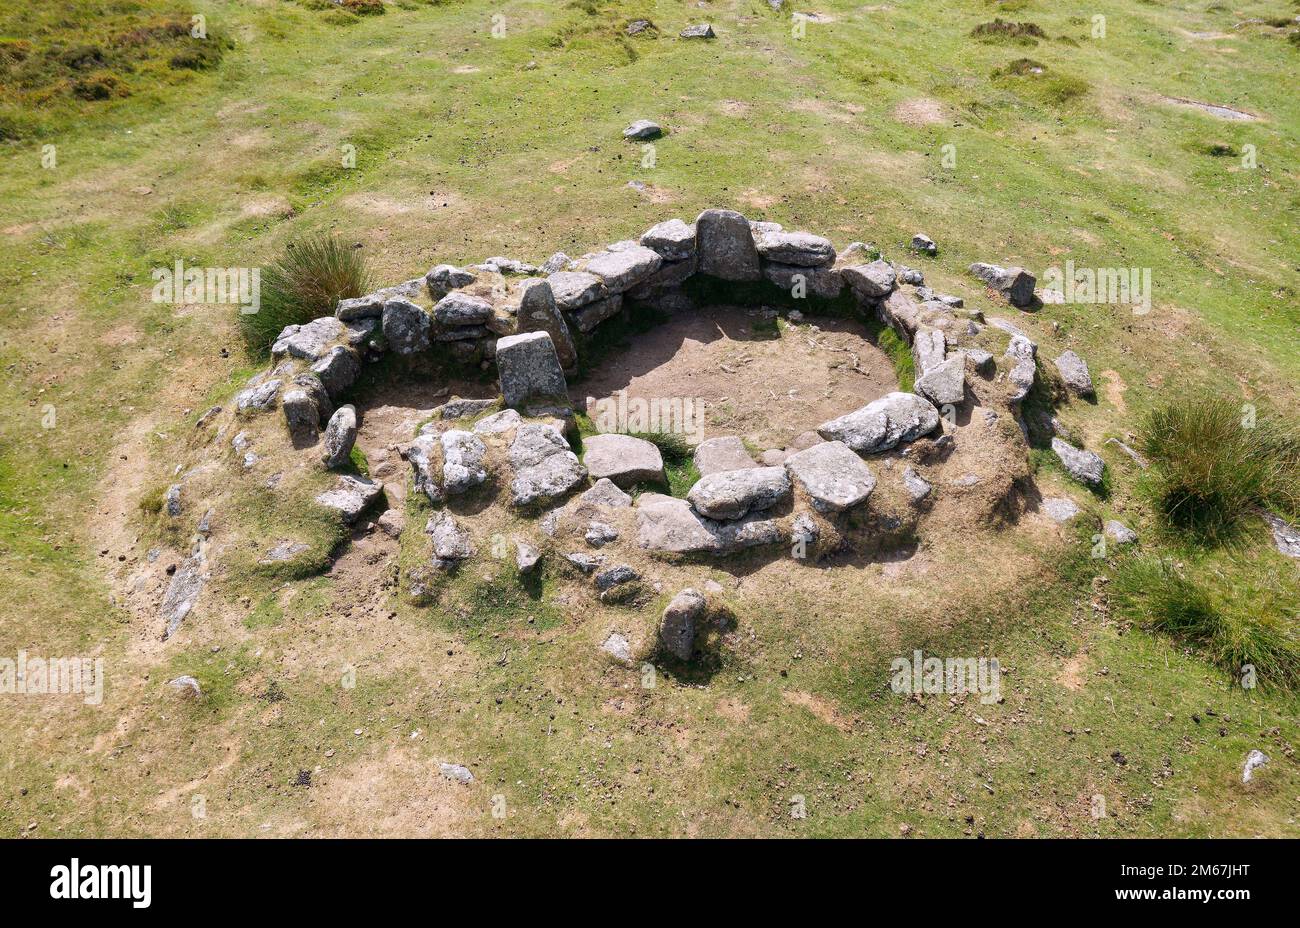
(624,269)
(670,525)
(672,240)
(573,289)
(800,248)
(832,475)
(182,593)
(873,281)
(498,422)
(725,245)
(1084,466)
(1074,372)
(944,383)
(929,348)
(605,492)
(1060,509)
(624,459)
(529,369)
(462,461)
(731,494)
(643,129)
(458,308)
(724,453)
(545,467)
(308,341)
(822,282)
(350,496)
(882,424)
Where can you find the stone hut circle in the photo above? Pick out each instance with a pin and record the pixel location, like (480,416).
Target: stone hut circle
(518,476)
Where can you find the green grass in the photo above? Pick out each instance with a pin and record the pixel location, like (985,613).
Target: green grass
(1216,462)
(1235,616)
(305,282)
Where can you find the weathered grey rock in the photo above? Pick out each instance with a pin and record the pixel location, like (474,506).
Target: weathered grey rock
(773,457)
(361,332)
(425,457)
(340,435)
(556,262)
(301,414)
(204,527)
(498,422)
(1136,458)
(187,686)
(456,772)
(588,317)
(311,382)
(284,551)
(619,648)
(802,249)
(1120,533)
(672,240)
(918,488)
(599,534)
(725,246)
(545,468)
(624,459)
(980,360)
(337,370)
(872,281)
(457,309)
(308,341)
(698,31)
(643,129)
(538,312)
(458,408)
(462,461)
(1060,509)
(527,555)
(370,306)
(611,577)
(392,522)
(1015,283)
(259,398)
(1022,373)
(508,266)
(804,533)
(1254,760)
(909,275)
(677,628)
(1074,372)
(1084,466)
(406,327)
(665,523)
(573,289)
(451,541)
(882,424)
(351,496)
(172,499)
(445,278)
(621,270)
(182,593)
(587,563)
(529,369)
(832,475)
(733,493)
(929,347)
(924,244)
(945,383)
(822,282)
(1286,537)
(605,492)
(901,312)
(719,454)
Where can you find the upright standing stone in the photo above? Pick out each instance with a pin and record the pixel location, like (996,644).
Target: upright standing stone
(529,369)
(538,312)
(725,245)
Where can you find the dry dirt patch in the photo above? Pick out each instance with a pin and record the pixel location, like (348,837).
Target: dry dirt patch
(763,388)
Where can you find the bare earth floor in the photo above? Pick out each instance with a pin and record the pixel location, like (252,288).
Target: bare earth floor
(764,388)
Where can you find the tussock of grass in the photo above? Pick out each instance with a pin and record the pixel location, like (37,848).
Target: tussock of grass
(1213,466)
(307,281)
(1021,33)
(1236,619)
(1042,83)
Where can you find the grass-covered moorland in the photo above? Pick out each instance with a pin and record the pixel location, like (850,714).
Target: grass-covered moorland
(452,131)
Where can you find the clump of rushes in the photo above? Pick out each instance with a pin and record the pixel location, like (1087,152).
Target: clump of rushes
(1216,463)
(305,282)
(1239,618)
